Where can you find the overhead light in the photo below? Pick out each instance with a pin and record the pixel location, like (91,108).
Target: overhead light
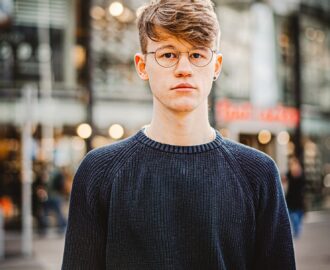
(24,51)
(84,131)
(264,136)
(97,13)
(283,138)
(116,9)
(116,131)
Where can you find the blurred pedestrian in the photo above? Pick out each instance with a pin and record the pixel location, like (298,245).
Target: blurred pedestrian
(56,193)
(295,195)
(177,195)
(48,197)
(40,196)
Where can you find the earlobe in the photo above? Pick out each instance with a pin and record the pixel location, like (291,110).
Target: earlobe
(218,65)
(140,66)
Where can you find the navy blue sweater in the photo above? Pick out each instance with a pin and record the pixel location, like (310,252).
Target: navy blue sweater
(140,204)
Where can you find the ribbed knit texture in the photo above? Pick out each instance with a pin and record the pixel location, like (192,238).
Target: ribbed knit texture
(140,204)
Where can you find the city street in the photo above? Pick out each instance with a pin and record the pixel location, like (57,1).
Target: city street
(47,253)
(165,145)
(312,249)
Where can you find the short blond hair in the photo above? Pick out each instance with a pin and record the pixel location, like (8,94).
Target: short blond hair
(194,21)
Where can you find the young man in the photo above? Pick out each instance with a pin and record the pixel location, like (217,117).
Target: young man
(177,195)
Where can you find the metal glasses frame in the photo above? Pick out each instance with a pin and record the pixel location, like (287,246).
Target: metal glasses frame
(154,53)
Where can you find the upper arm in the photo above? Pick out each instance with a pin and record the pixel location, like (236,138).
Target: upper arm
(85,241)
(274,247)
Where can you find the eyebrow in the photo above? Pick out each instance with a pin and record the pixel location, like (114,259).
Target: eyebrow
(173,47)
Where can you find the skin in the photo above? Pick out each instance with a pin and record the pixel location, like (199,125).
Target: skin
(180,116)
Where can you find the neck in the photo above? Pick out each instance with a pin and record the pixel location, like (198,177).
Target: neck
(181,128)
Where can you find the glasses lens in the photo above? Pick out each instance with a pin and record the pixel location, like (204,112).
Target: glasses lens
(167,57)
(200,56)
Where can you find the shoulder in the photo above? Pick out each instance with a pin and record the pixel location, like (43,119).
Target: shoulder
(258,169)
(252,162)
(97,167)
(104,155)
(107,158)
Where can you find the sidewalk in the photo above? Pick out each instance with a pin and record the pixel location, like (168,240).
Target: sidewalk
(312,249)
(48,251)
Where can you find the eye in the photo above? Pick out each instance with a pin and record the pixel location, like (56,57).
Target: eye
(169,55)
(199,54)
(196,55)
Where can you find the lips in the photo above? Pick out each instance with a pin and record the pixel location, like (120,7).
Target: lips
(183,86)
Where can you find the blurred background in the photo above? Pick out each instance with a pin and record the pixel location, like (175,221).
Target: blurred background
(68,84)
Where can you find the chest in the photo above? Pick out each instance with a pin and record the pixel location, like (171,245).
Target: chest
(197,192)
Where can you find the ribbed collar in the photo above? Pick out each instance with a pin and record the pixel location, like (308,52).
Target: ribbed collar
(141,137)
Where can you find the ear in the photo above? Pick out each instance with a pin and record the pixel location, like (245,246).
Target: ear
(218,65)
(140,66)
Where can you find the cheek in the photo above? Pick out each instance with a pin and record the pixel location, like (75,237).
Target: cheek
(157,86)
(158,80)
(206,80)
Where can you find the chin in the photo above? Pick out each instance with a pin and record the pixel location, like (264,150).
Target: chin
(185,107)
(179,105)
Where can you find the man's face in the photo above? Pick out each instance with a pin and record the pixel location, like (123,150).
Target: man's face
(182,87)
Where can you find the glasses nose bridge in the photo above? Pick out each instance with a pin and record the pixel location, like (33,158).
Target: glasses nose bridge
(179,58)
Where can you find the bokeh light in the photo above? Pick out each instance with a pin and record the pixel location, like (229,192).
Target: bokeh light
(97,13)
(116,131)
(264,136)
(283,138)
(116,9)
(84,131)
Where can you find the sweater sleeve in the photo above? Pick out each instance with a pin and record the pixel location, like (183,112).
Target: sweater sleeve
(274,247)
(85,241)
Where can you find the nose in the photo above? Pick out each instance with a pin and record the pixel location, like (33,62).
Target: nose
(183,67)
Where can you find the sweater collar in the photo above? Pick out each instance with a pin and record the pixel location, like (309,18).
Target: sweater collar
(141,137)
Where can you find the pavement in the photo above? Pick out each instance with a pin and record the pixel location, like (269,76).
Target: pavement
(312,248)
(47,252)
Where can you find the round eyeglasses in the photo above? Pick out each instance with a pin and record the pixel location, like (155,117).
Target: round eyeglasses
(168,56)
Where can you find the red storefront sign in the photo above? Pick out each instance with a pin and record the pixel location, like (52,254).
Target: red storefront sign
(228,111)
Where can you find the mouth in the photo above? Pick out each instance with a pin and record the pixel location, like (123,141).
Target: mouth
(183,87)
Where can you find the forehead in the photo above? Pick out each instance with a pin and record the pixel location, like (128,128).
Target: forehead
(165,38)
(173,42)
